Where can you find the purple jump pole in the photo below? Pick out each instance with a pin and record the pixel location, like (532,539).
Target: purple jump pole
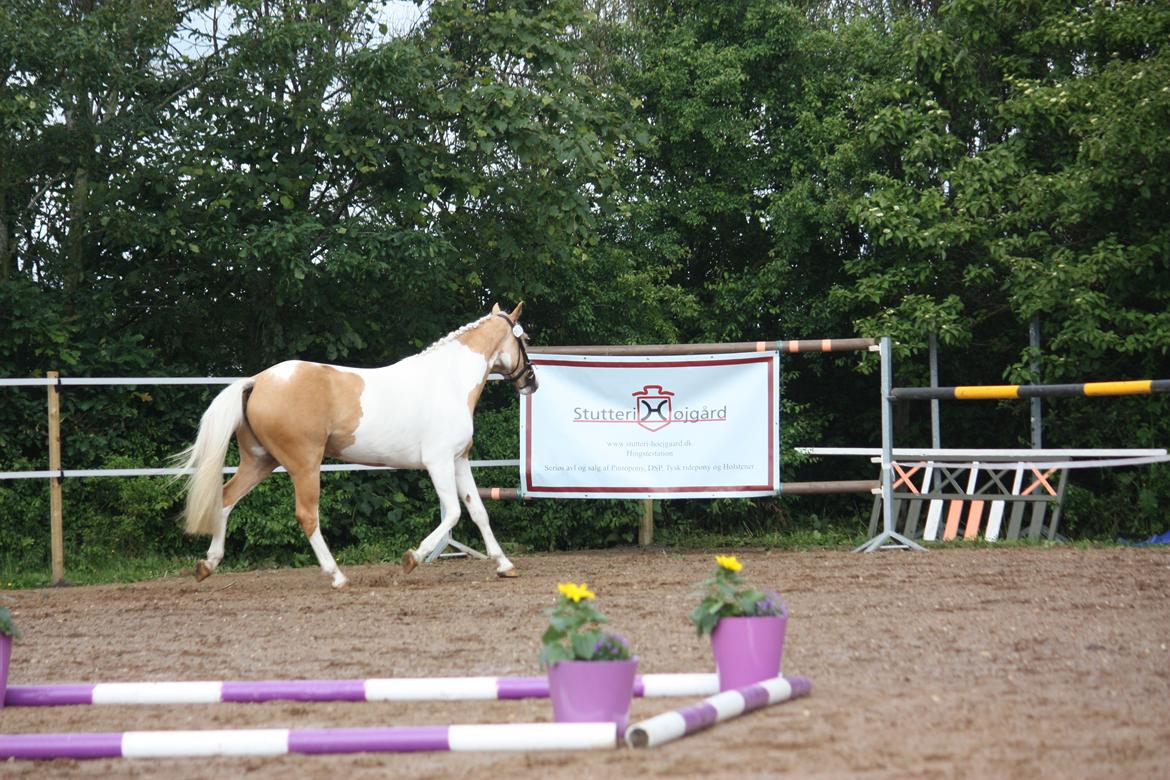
(275,742)
(674,725)
(49,695)
(50,746)
(294,690)
(389,689)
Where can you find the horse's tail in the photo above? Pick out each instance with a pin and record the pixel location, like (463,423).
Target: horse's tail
(206,457)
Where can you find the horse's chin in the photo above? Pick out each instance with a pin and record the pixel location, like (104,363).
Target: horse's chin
(527,390)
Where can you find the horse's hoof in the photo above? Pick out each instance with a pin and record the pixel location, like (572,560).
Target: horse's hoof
(342,584)
(409,562)
(202,571)
(508,574)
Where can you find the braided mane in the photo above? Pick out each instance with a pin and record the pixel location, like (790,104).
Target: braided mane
(456,334)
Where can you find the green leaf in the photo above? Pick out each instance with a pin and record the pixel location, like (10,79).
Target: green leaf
(585,644)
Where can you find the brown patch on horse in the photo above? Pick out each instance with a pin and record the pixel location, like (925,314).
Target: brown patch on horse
(482,340)
(300,416)
(409,562)
(347,393)
(472,400)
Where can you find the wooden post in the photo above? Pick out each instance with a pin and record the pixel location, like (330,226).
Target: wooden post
(646,531)
(56,541)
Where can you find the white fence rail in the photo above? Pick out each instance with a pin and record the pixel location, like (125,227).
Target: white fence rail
(56,472)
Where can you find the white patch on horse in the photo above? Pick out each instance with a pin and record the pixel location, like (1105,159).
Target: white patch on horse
(284,371)
(398,427)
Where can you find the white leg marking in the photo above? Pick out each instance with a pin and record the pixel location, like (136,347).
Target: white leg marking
(443,476)
(215,549)
(479,515)
(325,558)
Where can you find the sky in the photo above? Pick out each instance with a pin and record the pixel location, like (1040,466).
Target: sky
(399,16)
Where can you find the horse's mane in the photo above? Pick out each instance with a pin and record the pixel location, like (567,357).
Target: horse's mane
(456,334)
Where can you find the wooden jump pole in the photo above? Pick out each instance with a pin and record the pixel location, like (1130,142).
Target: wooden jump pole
(791,346)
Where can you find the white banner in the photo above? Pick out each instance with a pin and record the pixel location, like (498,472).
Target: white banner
(695,426)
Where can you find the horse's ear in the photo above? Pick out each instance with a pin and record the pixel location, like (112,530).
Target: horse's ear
(495,308)
(515,315)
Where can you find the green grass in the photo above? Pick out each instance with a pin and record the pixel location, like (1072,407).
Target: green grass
(95,571)
(790,540)
(107,569)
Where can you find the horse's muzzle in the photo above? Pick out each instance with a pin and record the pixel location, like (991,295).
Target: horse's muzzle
(526,383)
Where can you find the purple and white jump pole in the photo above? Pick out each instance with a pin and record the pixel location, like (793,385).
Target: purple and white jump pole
(278,742)
(388,689)
(676,724)
(516,737)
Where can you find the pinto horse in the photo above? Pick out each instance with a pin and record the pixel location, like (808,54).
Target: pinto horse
(416,413)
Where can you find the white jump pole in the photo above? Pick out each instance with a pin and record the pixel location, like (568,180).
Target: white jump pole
(498,737)
(676,724)
(374,689)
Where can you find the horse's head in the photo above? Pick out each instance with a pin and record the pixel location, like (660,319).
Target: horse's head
(511,356)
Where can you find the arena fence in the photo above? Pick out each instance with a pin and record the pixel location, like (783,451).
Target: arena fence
(56,472)
(897,529)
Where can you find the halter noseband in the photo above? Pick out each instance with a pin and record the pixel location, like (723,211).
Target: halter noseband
(524,370)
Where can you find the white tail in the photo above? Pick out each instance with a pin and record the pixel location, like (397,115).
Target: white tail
(206,456)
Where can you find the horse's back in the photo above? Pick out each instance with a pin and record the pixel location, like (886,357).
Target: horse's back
(411,413)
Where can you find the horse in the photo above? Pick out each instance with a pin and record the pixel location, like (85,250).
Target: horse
(413,414)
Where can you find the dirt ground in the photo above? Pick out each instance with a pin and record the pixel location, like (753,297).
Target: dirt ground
(997,663)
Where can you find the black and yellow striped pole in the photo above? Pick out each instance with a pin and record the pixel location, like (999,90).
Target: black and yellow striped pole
(1002,392)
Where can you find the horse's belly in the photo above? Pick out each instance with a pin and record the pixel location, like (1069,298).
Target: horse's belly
(407,440)
(386,449)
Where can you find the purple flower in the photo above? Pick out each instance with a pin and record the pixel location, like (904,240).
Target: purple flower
(769,604)
(611,647)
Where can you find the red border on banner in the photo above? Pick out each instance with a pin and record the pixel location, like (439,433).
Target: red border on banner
(772,454)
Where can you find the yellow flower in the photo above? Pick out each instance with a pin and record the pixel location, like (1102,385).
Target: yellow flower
(575,592)
(728,562)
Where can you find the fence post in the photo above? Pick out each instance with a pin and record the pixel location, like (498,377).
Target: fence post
(646,531)
(56,540)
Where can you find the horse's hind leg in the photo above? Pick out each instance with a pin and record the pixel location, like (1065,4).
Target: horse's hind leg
(307,483)
(470,495)
(255,465)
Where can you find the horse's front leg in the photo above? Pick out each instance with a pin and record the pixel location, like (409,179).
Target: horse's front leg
(470,495)
(443,477)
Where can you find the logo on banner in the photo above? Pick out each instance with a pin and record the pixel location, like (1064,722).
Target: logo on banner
(654,407)
(653,410)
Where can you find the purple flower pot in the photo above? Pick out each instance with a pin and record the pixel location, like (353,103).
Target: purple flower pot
(592,691)
(748,649)
(5,655)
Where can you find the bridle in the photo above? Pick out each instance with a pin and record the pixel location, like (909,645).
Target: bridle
(523,375)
